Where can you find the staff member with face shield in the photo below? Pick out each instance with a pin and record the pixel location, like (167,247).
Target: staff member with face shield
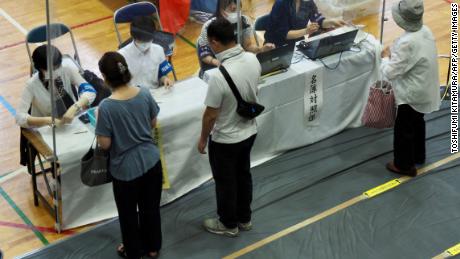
(72,92)
(226,9)
(146,60)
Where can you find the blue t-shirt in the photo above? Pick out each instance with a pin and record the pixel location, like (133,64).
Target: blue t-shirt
(129,125)
(284,17)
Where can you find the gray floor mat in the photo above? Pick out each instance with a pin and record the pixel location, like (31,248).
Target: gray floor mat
(287,190)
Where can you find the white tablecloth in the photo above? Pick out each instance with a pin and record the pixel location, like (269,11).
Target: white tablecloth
(281,127)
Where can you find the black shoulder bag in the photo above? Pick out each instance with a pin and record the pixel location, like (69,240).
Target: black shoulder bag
(95,167)
(244,109)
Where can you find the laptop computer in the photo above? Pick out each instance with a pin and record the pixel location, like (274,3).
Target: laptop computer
(328,44)
(276,59)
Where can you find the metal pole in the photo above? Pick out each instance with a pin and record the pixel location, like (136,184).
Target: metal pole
(382,21)
(238,24)
(57,186)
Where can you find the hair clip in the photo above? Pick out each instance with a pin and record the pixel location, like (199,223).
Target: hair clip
(121,67)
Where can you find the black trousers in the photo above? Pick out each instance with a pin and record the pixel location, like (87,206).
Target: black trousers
(230,165)
(409,138)
(138,204)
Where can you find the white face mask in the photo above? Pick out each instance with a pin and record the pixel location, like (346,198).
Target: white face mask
(232,17)
(143,46)
(56,73)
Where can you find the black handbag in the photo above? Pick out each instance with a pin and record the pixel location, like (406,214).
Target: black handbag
(95,167)
(245,109)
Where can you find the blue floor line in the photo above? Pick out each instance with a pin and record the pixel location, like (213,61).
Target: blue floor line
(7,105)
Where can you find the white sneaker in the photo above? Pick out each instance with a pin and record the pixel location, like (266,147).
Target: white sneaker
(215,226)
(245,226)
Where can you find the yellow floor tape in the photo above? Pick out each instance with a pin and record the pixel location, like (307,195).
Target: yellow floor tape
(366,195)
(451,252)
(382,188)
(455,250)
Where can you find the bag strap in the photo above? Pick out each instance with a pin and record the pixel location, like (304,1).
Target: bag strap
(92,142)
(230,82)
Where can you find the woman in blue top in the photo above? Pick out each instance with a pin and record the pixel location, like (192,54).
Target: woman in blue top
(292,20)
(124,126)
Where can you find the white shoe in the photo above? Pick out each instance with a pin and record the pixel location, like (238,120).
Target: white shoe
(216,227)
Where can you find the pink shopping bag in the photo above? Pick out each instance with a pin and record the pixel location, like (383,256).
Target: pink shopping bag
(380,111)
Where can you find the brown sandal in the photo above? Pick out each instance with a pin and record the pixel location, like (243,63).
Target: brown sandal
(121,251)
(149,256)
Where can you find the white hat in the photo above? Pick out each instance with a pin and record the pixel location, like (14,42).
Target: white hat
(408,14)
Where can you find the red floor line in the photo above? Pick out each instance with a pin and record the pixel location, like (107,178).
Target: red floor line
(91,22)
(42,229)
(11,45)
(72,27)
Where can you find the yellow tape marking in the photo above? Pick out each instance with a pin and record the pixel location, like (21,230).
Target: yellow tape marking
(455,250)
(158,139)
(333,210)
(382,188)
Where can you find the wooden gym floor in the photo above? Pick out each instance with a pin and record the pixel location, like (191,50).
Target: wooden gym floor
(24,227)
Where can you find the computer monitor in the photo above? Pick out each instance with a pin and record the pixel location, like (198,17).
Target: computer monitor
(276,59)
(325,46)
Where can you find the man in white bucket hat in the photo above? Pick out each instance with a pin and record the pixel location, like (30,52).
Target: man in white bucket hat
(411,66)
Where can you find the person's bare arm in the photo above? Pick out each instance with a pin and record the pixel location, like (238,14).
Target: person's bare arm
(209,119)
(104,142)
(295,34)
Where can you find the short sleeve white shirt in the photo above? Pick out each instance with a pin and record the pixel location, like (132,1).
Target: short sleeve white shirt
(244,69)
(144,67)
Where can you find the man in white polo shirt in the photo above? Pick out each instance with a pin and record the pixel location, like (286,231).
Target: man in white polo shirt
(146,60)
(230,136)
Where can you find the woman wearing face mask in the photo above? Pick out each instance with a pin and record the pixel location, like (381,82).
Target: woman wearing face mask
(36,95)
(292,20)
(146,60)
(228,10)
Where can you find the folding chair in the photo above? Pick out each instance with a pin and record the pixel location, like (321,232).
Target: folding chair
(39,35)
(261,24)
(127,13)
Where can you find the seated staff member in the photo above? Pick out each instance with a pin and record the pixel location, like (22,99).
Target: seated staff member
(225,9)
(36,93)
(289,21)
(146,60)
